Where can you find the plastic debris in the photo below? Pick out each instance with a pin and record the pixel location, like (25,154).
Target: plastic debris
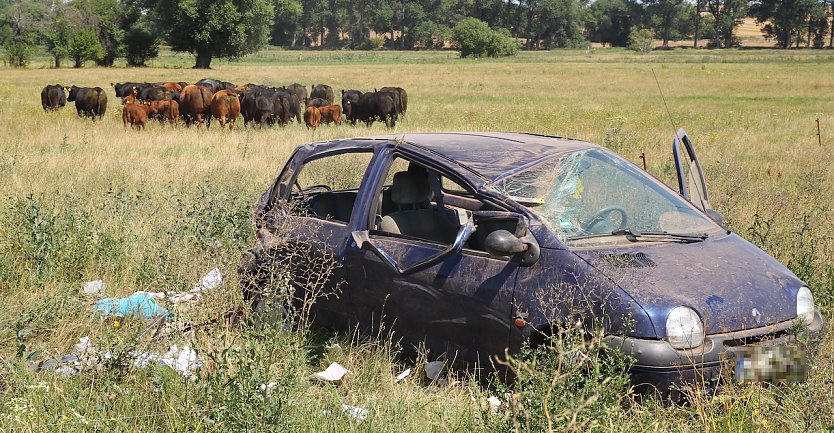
(403,375)
(433,369)
(209,281)
(93,287)
(184,361)
(139,304)
(358,413)
(333,373)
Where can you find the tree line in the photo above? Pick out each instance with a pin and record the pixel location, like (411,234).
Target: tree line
(103,30)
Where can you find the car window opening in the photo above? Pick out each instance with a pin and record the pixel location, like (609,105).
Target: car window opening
(327,187)
(416,202)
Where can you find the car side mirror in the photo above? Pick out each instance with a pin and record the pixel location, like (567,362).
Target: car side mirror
(502,243)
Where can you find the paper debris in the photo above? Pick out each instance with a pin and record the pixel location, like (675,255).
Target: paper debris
(333,373)
(403,375)
(355,412)
(94,287)
(433,369)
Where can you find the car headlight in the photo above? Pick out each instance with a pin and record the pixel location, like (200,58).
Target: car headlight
(805,309)
(684,328)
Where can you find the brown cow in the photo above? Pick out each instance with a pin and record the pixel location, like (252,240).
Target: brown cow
(166,110)
(312,117)
(195,104)
(172,86)
(136,115)
(331,113)
(131,99)
(225,106)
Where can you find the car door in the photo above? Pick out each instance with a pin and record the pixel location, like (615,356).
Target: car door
(460,303)
(692,183)
(317,225)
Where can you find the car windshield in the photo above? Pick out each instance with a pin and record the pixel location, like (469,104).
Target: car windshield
(594,193)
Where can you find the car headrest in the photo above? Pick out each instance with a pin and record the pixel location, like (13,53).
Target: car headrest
(411,187)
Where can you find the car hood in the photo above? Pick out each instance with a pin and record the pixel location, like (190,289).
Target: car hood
(731,283)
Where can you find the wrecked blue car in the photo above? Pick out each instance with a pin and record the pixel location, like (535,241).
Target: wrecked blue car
(471,244)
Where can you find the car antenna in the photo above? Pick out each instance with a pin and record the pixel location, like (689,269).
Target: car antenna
(669,113)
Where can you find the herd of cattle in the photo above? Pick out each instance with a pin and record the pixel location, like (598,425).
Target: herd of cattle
(198,103)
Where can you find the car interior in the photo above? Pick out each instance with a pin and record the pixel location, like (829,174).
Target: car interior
(415,203)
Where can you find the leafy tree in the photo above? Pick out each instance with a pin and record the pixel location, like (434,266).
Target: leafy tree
(140,45)
(430,35)
(610,21)
(215,28)
(669,18)
(286,24)
(554,23)
(783,19)
(65,22)
(20,23)
(18,53)
(640,40)
(84,45)
(473,37)
(727,15)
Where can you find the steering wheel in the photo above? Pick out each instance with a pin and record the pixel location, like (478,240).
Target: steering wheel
(602,215)
(311,188)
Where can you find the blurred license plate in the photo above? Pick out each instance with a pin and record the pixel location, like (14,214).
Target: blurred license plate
(770,364)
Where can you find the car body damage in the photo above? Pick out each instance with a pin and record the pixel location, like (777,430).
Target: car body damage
(471,244)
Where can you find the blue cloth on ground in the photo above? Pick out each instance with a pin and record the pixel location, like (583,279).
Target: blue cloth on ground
(139,304)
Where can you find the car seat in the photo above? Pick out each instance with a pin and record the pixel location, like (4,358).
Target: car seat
(411,192)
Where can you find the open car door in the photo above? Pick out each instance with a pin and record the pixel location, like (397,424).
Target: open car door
(691,182)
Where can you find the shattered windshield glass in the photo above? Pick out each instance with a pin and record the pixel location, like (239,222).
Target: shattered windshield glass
(592,192)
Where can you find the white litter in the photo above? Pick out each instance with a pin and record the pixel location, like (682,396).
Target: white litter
(209,281)
(333,373)
(403,375)
(94,287)
(494,403)
(184,361)
(433,369)
(359,413)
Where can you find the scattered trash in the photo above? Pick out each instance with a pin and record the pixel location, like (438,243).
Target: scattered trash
(433,369)
(403,375)
(494,403)
(333,373)
(209,281)
(94,287)
(333,348)
(355,412)
(184,361)
(139,304)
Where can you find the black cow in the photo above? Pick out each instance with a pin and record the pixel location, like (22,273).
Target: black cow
(214,85)
(349,99)
(322,91)
(316,102)
(155,93)
(263,105)
(299,90)
(375,106)
(402,106)
(396,97)
(53,97)
(294,105)
(89,101)
(124,90)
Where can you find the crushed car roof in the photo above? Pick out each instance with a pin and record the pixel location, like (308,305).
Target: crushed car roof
(490,154)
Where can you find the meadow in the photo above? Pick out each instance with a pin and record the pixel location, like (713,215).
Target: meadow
(155,210)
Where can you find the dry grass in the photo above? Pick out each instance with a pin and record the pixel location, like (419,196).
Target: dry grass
(162,207)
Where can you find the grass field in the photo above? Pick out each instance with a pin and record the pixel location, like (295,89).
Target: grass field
(156,210)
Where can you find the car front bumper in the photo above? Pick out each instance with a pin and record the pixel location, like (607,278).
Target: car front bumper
(660,366)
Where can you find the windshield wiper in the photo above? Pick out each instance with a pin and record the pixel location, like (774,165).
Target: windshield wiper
(648,236)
